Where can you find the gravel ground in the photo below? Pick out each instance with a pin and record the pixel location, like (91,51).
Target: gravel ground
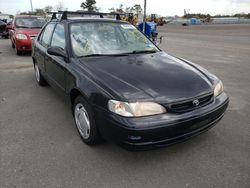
(40,146)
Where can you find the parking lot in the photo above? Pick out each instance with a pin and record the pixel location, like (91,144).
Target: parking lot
(40,146)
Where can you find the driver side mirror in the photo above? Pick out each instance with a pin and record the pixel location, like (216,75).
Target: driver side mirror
(57,51)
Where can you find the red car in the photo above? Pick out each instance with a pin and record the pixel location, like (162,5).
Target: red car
(24,30)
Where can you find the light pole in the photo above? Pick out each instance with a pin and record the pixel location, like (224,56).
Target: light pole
(31,5)
(144,16)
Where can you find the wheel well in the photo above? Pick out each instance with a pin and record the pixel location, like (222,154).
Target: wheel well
(73,94)
(33,60)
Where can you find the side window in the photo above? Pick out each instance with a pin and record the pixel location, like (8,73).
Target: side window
(46,34)
(58,38)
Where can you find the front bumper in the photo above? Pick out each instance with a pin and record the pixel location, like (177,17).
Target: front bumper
(24,45)
(160,130)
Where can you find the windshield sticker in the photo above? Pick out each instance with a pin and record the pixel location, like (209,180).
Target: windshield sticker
(150,45)
(128,26)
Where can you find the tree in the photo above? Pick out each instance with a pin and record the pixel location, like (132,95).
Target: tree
(112,10)
(48,8)
(127,9)
(137,8)
(39,12)
(120,9)
(89,5)
(59,6)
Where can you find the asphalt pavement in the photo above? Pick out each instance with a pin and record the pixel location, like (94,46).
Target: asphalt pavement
(40,146)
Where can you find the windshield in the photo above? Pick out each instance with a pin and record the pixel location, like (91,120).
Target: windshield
(100,38)
(30,22)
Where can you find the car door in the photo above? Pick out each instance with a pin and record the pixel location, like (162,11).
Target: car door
(55,65)
(40,47)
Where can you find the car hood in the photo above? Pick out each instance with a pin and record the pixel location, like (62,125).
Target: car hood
(157,76)
(28,31)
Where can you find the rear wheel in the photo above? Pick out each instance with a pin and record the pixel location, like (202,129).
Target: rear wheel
(39,78)
(85,123)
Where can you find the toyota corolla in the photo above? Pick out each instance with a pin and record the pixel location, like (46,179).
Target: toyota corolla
(123,88)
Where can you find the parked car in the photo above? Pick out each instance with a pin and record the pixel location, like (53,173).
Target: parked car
(7,29)
(2,27)
(122,87)
(24,29)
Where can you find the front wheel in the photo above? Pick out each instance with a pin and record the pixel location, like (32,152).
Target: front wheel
(85,123)
(18,52)
(39,78)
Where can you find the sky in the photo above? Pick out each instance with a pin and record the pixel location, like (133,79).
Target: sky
(160,7)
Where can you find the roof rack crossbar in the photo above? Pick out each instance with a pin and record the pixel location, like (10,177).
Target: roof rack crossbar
(53,15)
(101,14)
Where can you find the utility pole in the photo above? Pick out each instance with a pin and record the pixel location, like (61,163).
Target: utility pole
(144,16)
(31,5)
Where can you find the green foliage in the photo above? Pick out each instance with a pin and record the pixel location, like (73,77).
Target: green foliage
(136,9)
(89,5)
(242,15)
(197,15)
(48,8)
(208,16)
(37,12)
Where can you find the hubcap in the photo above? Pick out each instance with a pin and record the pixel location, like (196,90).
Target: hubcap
(37,73)
(82,121)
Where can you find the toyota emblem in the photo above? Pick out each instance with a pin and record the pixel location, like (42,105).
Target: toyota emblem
(196,102)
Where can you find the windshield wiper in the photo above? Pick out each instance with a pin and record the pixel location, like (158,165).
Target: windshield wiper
(121,54)
(95,55)
(22,26)
(142,51)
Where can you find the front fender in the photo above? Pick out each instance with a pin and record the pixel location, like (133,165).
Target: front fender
(78,79)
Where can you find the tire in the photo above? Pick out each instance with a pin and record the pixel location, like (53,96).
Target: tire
(85,123)
(18,52)
(39,78)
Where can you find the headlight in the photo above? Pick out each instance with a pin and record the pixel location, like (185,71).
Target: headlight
(136,109)
(218,89)
(21,36)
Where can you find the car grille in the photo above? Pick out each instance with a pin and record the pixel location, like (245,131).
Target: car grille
(189,105)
